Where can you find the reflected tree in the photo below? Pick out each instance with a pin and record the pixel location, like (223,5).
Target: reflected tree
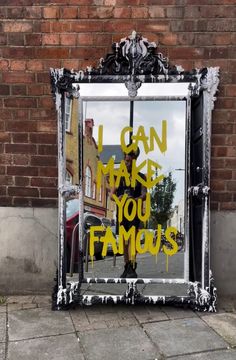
(162,196)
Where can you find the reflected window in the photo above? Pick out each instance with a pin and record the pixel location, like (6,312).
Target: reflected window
(94,190)
(88,182)
(68,106)
(69,178)
(100,195)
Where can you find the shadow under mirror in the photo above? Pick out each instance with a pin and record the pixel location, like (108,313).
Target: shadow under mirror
(140,220)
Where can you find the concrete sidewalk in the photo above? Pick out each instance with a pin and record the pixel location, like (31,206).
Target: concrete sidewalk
(29,330)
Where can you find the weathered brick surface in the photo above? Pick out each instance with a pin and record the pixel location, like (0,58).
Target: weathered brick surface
(37,35)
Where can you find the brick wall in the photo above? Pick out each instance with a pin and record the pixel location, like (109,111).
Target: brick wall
(44,34)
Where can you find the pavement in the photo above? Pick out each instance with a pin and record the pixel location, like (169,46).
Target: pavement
(30,330)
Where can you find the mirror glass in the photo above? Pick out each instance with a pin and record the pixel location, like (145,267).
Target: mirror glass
(134,174)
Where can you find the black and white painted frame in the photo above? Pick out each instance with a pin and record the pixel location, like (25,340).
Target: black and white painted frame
(135,61)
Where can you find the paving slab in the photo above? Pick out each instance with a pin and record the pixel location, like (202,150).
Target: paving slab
(61,347)
(2,351)
(2,308)
(26,324)
(89,319)
(213,355)
(130,343)
(190,335)
(146,314)
(2,327)
(225,325)
(178,312)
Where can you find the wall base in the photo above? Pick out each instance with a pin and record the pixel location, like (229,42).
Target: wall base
(28,256)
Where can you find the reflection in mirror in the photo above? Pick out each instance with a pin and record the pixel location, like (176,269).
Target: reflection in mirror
(157,243)
(71,178)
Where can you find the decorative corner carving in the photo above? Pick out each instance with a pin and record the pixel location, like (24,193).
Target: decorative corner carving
(210,82)
(203,299)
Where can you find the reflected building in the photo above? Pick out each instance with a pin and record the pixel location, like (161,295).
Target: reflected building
(177,217)
(71,128)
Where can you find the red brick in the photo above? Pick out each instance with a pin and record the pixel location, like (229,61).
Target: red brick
(18,90)
(17,26)
(22,170)
(47,149)
(70,64)
(22,181)
(221,174)
(16,39)
(61,27)
(5,159)
(33,12)
(122,12)
(20,149)
(34,65)
(231,151)
(230,163)
(217,185)
(85,39)
(42,114)
(168,39)
(156,12)
(20,114)
(18,65)
(43,182)
(18,52)
(186,53)
(22,201)
(51,53)
(2,126)
(43,160)
(87,53)
(68,39)
(39,138)
(6,180)
(33,39)
(231,90)
(48,192)
(86,26)
(141,13)
(4,64)
(50,39)
(44,202)
(4,137)
(219,151)
(149,26)
(43,77)
(4,89)
(231,140)
(102,40)
(35,90)
(48,171)
(15,13)
(22,191)
(20,137)
(222,128)
(51,12)
(18,77)
(5,201)
(228,206)
(3,39)
(69,12)
(46,102)
(47,126)
(221,196)
(21,159)
(3,191)
(2,170)
(20,102)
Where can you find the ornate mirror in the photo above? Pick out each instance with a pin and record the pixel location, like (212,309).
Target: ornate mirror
(133,171)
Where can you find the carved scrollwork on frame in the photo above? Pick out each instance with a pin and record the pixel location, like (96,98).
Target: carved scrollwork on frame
(133,55)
